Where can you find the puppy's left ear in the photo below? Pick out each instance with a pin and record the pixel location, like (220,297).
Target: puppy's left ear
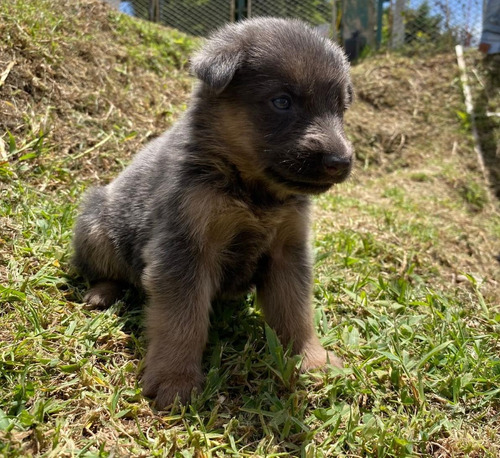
(217,63)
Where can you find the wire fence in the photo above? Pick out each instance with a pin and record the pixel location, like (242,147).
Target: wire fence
(433,23)
(200,17)
(357,24)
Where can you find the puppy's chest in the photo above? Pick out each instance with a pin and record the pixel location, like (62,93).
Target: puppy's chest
(245,253)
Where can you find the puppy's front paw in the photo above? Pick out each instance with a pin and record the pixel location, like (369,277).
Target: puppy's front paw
(316,357)
(164,389)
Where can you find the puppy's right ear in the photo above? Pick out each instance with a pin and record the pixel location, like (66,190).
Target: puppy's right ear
(216,63)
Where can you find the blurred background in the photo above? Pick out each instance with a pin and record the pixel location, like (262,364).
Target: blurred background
(359,25)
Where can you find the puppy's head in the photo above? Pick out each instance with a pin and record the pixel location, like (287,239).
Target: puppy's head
(277,93)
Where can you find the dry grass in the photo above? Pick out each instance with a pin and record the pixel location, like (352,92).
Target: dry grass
(421,168)
(87,89)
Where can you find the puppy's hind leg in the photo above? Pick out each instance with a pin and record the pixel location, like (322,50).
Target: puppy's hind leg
(104,293)
(94,254)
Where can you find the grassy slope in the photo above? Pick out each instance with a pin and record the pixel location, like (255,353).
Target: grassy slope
(407,287)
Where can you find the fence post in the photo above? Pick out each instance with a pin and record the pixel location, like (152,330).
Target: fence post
(154,10)
(380,12)
(231,11)
(398,25)
(239,10)
(334,21)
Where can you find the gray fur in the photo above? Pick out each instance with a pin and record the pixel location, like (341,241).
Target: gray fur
(220,202)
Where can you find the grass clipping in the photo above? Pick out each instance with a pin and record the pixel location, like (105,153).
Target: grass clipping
(406,287)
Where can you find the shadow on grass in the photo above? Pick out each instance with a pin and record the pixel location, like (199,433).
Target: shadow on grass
(236,353)
(232,322)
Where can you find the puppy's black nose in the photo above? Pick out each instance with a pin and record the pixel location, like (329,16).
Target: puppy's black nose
(335,165)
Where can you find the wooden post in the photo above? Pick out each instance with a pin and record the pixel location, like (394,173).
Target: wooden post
(241,9)
(398,25)
(334,21)
(154,10)
(380,12)
(469,108)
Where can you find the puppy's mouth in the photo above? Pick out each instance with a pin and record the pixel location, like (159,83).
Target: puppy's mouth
(311,177)
(301,186)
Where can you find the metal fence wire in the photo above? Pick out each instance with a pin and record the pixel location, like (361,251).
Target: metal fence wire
(433,23)
(355,23)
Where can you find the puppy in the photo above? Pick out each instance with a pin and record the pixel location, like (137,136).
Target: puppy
(220,202)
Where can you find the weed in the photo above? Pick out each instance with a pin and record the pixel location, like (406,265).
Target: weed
(474,195)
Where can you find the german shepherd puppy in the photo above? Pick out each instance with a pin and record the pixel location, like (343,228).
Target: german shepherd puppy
(220,203)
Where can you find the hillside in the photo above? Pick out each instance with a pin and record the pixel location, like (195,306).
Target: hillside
(407,277)
(76,73)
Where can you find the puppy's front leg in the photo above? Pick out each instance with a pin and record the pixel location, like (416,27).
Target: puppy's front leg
(285,294)
(177,322)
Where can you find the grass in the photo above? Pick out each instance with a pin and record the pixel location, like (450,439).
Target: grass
(406,287)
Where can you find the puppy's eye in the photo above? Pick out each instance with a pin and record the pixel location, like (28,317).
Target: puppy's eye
(282,103)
